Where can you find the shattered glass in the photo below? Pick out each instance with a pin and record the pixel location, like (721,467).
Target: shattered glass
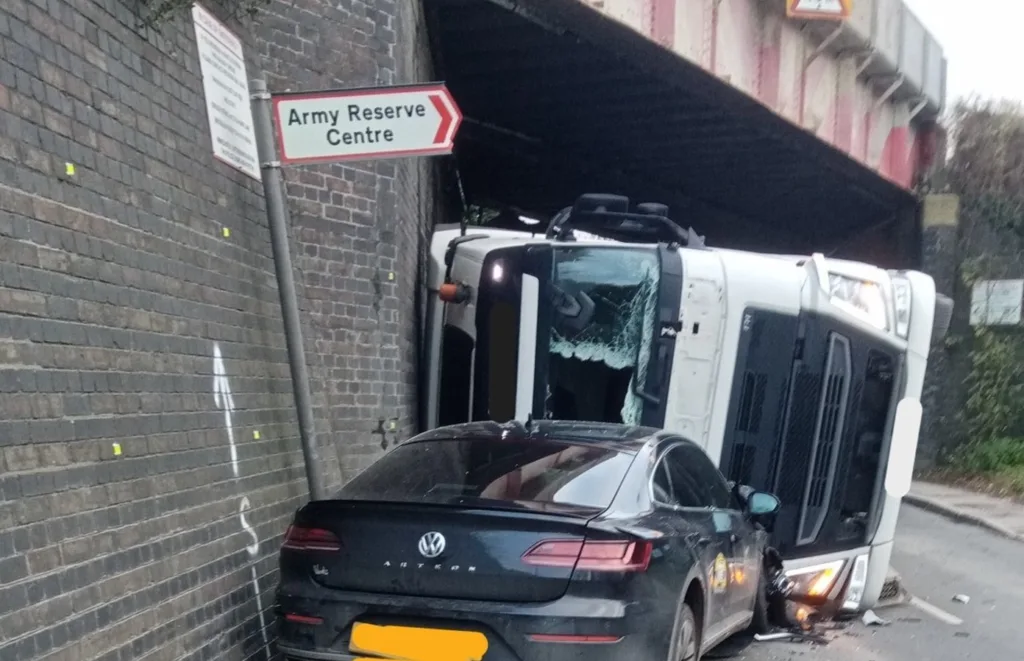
(620,286)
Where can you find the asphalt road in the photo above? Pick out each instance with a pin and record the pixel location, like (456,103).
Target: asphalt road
(937,559)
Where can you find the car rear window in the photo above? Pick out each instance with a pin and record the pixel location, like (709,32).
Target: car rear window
(528,471)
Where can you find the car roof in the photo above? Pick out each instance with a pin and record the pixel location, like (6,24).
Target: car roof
(620,437)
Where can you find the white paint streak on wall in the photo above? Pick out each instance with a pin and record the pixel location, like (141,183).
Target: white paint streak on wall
(254,548)
(223,399)
(254,551)
(259,606)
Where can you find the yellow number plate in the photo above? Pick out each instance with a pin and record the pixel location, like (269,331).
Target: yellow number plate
(416,644)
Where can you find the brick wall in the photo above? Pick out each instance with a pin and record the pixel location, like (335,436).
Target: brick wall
(149,457)
(359,229)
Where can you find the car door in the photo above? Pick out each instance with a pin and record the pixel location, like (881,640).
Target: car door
(674,485)
(734,532)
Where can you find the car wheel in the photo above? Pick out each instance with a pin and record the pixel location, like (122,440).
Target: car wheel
(686,644)
(761,623)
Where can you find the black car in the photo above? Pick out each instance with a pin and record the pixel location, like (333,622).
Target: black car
(545,541)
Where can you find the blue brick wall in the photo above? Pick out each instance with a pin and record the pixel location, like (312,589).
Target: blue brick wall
(149,458)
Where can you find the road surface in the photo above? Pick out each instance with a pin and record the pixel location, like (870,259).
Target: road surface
(937,559)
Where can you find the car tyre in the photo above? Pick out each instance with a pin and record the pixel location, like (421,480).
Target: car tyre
(686,637)
(761,622)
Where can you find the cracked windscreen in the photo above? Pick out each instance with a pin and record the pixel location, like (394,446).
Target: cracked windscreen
(604,312)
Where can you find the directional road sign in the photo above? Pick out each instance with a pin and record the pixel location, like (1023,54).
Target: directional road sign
(363,124)
(836,10)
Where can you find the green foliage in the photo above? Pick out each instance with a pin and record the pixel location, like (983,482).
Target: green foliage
(996,385)
(992,455)
(987,171)
(972,270)
(159,12)
(997,462)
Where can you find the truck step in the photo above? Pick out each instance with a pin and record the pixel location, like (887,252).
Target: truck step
(893,592)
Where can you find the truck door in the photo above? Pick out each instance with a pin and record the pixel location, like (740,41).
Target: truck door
(770,343)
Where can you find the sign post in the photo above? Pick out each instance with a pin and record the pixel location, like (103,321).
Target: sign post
(277,216)
(329,127)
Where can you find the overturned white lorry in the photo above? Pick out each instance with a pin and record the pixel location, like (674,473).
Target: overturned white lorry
(788,370)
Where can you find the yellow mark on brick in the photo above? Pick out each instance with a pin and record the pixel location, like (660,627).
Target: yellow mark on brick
(392,425)
(226,232)
(391,275)
(69,169)
(117,449)
(256,434)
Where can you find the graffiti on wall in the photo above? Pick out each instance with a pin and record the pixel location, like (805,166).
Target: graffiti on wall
(224,400)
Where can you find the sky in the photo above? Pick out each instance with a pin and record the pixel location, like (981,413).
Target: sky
(983,44)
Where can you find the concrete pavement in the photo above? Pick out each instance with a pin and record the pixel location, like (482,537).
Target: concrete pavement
(999,515)
(937,558)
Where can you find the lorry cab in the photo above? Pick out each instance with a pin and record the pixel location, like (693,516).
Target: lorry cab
(787,370)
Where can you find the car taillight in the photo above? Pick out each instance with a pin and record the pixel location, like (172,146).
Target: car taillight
(310,539)
(567,638)
(591,555)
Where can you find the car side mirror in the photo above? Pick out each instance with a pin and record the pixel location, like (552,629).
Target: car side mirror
(761,504)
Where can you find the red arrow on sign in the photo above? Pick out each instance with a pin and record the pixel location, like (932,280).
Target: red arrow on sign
(364,124)
(447,119)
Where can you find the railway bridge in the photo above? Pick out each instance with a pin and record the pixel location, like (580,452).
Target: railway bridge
(149,447)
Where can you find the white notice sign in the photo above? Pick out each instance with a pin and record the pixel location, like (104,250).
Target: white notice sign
(386,122)
(997,302)
(222,64)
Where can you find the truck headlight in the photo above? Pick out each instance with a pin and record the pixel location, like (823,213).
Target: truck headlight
(902,298)
(858,580)
(859,297)
(815,581)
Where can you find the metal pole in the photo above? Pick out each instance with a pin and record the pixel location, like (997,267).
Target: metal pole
(277,215)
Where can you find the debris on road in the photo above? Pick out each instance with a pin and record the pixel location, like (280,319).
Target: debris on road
(791,637)
(870,619)
(961,598)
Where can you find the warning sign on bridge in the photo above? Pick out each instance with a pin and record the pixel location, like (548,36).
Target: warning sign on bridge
(835,10)
(384,122)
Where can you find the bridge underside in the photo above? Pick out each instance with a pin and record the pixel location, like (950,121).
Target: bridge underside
(560,100)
